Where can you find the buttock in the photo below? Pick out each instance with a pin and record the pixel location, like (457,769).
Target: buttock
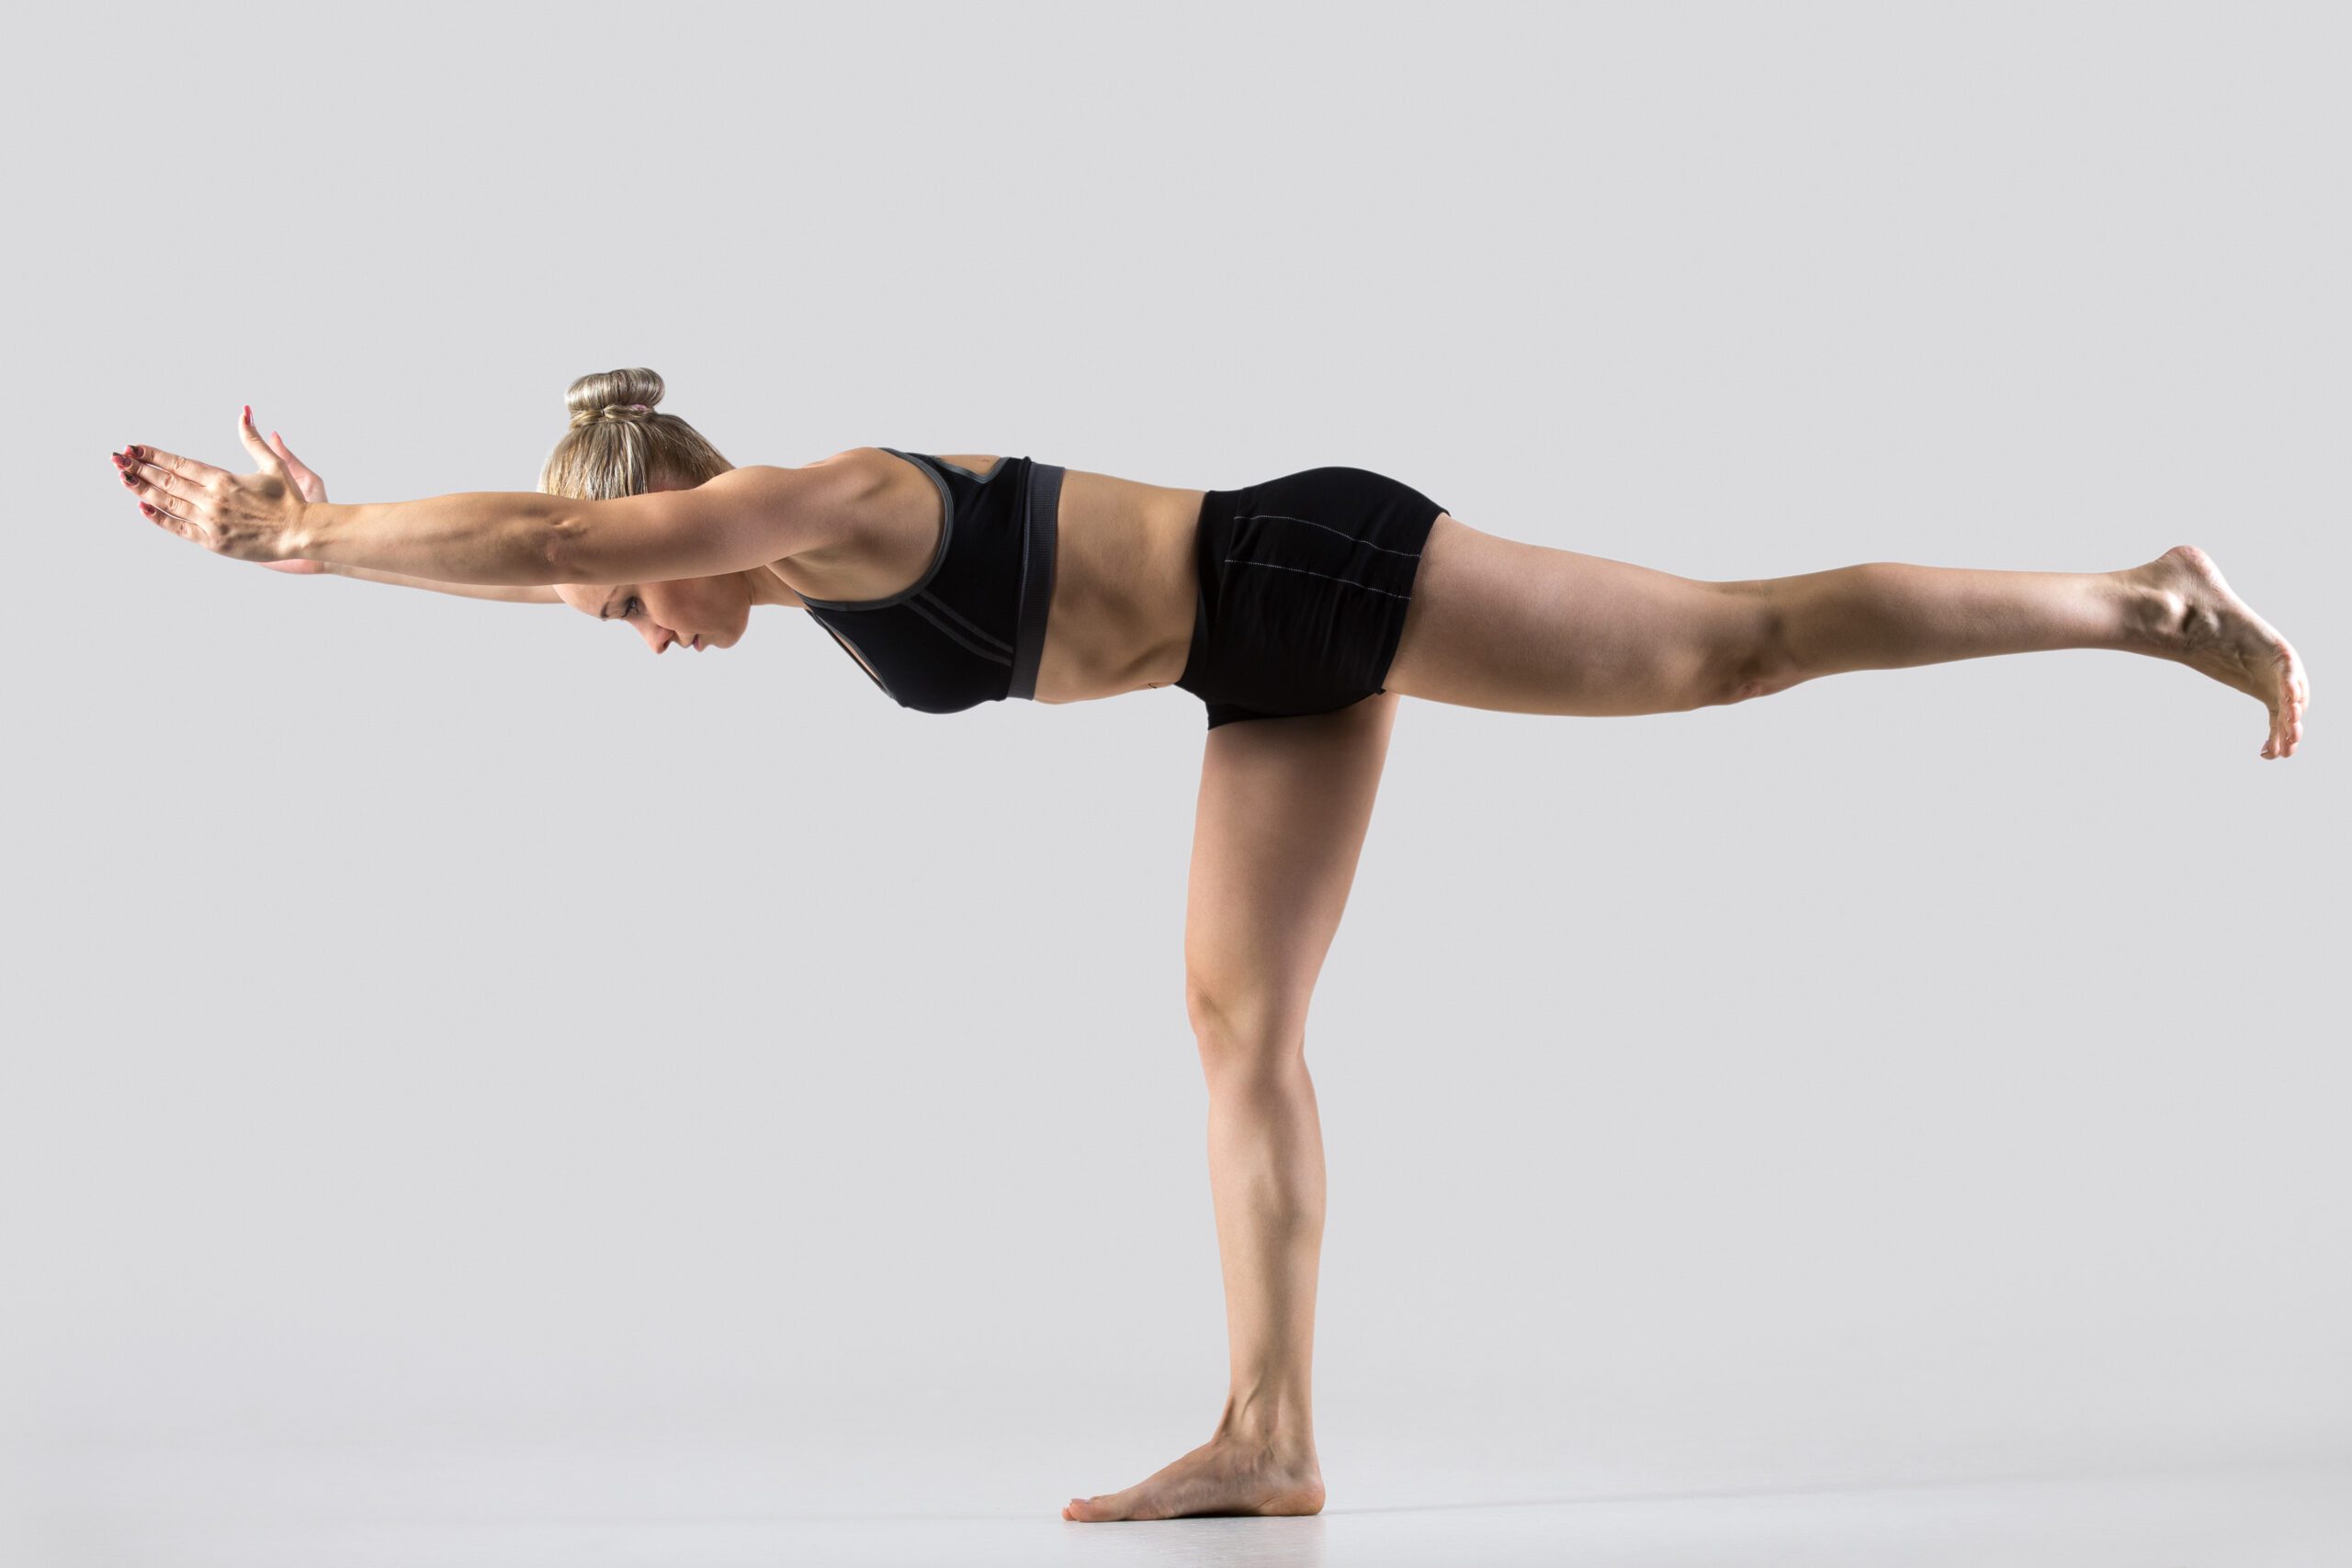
(1304,585)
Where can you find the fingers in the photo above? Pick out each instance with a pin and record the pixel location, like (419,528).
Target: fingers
(164,489)
(172,462)
(271,463)
(167,498)
(179,525)
(306,479)
(161,506)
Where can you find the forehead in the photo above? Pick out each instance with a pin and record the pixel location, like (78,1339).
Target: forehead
(590,597)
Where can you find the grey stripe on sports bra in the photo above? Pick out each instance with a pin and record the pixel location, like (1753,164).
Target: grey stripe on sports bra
(1040,534)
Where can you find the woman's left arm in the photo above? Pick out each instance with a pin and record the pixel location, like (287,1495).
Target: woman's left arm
(744,518)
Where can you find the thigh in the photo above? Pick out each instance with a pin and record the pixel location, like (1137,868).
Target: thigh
(1284,805)
(1525,629)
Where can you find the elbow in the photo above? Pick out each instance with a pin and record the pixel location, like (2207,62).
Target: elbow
(556,547)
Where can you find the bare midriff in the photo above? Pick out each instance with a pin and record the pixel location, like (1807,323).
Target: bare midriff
(1124,578)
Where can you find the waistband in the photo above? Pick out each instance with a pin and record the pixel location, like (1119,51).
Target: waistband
(1041,502)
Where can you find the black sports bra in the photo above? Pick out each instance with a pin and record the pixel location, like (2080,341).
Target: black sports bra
(972,627)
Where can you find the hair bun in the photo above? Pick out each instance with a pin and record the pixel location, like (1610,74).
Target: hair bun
(620,445)
(613,394)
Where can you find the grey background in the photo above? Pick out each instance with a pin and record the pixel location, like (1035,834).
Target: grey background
(455,1061)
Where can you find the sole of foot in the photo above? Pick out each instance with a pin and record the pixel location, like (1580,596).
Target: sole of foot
(2203,624)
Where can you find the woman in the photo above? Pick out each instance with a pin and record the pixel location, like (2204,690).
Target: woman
(1304,606)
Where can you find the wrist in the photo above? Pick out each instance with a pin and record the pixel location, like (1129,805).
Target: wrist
(306,538)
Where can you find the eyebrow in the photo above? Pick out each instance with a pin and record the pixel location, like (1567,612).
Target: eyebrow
(604,609)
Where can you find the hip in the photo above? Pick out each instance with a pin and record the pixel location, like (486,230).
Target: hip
(1302,587)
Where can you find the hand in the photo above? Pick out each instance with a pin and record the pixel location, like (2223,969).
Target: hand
(243,516)
(308,484)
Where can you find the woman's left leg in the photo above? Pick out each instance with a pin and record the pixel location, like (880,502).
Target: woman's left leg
(1496,623)
(1284,806)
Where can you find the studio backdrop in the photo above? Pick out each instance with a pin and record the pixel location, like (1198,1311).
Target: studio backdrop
(450,1053)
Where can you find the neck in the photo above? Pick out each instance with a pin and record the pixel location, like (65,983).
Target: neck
(767,588)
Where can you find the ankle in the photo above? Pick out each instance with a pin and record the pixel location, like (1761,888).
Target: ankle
(1281,1427)
(2150,611)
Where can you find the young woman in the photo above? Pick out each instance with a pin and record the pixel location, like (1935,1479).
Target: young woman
(1298,610)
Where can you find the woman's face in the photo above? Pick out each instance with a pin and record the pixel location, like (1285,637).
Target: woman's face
(693,612)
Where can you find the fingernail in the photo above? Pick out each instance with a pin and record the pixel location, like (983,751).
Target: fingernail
(249,413)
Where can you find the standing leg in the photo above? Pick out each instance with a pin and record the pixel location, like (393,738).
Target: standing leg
(1498,624)
(1283,810)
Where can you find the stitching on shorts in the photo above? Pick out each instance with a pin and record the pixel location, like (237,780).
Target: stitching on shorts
(1285,517)
(1343,581)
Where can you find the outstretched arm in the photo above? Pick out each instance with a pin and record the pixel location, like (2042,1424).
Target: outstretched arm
(744,518)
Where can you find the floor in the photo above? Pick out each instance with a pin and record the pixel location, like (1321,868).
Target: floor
(2297,1517)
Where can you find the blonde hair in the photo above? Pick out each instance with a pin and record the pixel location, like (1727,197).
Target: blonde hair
(618,446)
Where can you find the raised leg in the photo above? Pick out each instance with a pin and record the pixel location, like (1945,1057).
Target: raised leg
(1283,810)
(1498,624)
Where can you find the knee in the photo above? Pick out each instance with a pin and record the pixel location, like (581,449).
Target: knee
(1241,1026)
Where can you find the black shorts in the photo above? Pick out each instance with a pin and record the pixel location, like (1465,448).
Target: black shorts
(1303,584)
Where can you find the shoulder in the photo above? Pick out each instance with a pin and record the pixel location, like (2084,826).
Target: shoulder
(746,516)
(833,493)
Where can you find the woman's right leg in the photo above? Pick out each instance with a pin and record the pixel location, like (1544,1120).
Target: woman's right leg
(1524,629)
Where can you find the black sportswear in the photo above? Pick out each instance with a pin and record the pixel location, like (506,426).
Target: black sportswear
(1303,584)
(972,627)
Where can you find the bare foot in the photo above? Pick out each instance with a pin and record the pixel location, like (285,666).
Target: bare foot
(1224,1475)
(2199,623)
